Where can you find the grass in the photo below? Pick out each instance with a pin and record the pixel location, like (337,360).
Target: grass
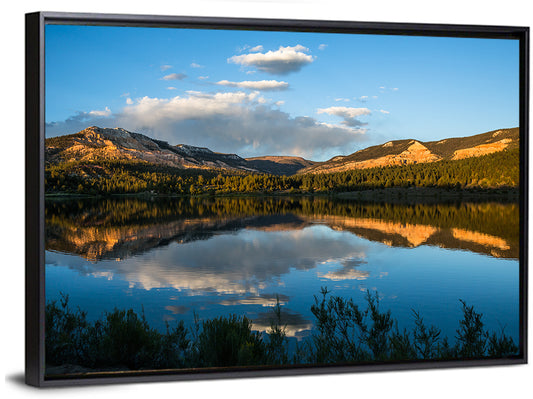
(344,333)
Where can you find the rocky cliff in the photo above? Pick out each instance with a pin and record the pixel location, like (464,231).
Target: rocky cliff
(96,144)
(405,152)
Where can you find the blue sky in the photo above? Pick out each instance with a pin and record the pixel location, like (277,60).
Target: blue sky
(315,95)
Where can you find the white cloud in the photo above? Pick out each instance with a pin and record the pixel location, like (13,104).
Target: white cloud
(342,99)
(195,65)
(104,113)
(280,62)
(256,49)
(203,77)
(384,112)
(197,105)
(174,76)
(172,88)
(233,122)
(322,46)
(363,98)
(256,85)
(349,114)
(383,88)
(165,67)
(129,101)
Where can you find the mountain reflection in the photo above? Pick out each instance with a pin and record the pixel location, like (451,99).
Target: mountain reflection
(230,263)
(116,229)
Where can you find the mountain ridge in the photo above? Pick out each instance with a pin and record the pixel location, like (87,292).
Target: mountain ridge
(411,151)
(277,164)
(103,144)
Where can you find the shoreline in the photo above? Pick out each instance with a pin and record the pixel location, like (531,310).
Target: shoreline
(382,195)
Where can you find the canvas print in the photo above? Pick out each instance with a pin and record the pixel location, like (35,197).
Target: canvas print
(239,199)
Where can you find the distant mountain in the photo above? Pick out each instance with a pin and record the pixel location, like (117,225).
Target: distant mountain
(405,152)
(279,165)
(99,144)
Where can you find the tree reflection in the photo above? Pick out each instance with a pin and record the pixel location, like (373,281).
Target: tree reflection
(98,229)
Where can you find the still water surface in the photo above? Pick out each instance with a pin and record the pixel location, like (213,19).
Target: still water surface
(210,257)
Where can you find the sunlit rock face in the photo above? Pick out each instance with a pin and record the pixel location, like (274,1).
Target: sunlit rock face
(104,144)
(407,152)
(94,144)
(482,149)
(415,153)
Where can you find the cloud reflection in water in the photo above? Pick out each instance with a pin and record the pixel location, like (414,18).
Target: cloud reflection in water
(245,262)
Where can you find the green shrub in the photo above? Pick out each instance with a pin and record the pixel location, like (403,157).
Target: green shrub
(66,333)
(277,345)
(344,333)
(229,341)
(124,339)
(471,336)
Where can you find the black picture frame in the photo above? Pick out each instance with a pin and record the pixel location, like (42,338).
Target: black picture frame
(35,126)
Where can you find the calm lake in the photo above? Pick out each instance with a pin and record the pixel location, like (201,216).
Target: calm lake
(177,258)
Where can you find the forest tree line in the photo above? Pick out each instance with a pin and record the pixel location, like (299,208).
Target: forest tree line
(498,170)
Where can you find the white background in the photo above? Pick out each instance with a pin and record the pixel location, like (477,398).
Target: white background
(493,382)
